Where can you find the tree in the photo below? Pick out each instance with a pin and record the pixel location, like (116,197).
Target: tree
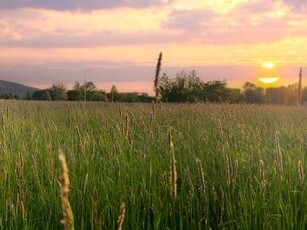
(90,90)
(9,96)
(304,94)
(278,95)
(185,88)
(292,94)
(188,87)
(144,97)
(29,96)
(98,95)
(253,93)
(74,95)
(41,95)
(129,97)
(77,86)
(90,86)
(114,94)
(165,87)
(216,91)
(57,92)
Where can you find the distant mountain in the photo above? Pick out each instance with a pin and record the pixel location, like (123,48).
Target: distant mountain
(15,88)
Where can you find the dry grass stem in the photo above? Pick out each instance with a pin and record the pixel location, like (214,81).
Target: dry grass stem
(173,171)
(301,172)
(228,168)
(279,158)
(201,175)
(121,217)
(263,181)
(68,217)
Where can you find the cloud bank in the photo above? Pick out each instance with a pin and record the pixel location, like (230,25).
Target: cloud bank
(82,5)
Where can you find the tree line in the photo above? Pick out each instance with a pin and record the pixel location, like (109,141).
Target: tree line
(86,92)
(185,87)
(188,87)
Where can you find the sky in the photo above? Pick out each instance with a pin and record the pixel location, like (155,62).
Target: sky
(49,41)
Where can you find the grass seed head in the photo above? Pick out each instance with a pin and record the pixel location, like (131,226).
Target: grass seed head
(121,217)
(301,172)
(173,171)
(68,217)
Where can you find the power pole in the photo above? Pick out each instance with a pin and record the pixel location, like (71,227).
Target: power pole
(299,94)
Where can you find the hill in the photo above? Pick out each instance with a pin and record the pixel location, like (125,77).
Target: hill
(15,88)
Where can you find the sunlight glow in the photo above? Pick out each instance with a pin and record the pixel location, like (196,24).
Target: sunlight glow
(268,65)
(268,80)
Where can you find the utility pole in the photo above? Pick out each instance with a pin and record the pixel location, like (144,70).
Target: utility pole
(299,94)
(85,82)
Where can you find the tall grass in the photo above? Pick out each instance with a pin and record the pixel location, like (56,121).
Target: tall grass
(237,166)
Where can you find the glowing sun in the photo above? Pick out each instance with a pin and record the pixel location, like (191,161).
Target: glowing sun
(266,77)
(268,80)
(268,65)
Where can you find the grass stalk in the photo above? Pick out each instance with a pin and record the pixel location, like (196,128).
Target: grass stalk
(121,217)
(173,170)
(68,217)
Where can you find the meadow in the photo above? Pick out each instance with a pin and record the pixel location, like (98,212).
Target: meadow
(153,166)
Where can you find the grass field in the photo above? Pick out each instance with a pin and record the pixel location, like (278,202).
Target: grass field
(237,166)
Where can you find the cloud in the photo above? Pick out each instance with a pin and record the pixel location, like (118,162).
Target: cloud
(297,5)
(267,31)
(83,5)
(98,39)
(251,22)
(248,29)
(257,7)
(42,28)
(188,20)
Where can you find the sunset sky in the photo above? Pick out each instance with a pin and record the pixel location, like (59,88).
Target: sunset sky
(49,41)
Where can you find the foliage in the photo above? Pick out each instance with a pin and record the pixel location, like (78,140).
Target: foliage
(281,95)
(57,92)
(185,87)
(74,95)
(253,94)
(41,95)
(114,94)
(9,96)
(304,94)
(188,87)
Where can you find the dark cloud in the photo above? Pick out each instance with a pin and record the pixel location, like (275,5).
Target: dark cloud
(297,5)
(72,5)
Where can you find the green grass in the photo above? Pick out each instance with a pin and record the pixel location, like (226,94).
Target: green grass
(119,153)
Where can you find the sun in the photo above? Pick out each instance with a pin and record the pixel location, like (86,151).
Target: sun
(268,65)
(268,80)
(268,73)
